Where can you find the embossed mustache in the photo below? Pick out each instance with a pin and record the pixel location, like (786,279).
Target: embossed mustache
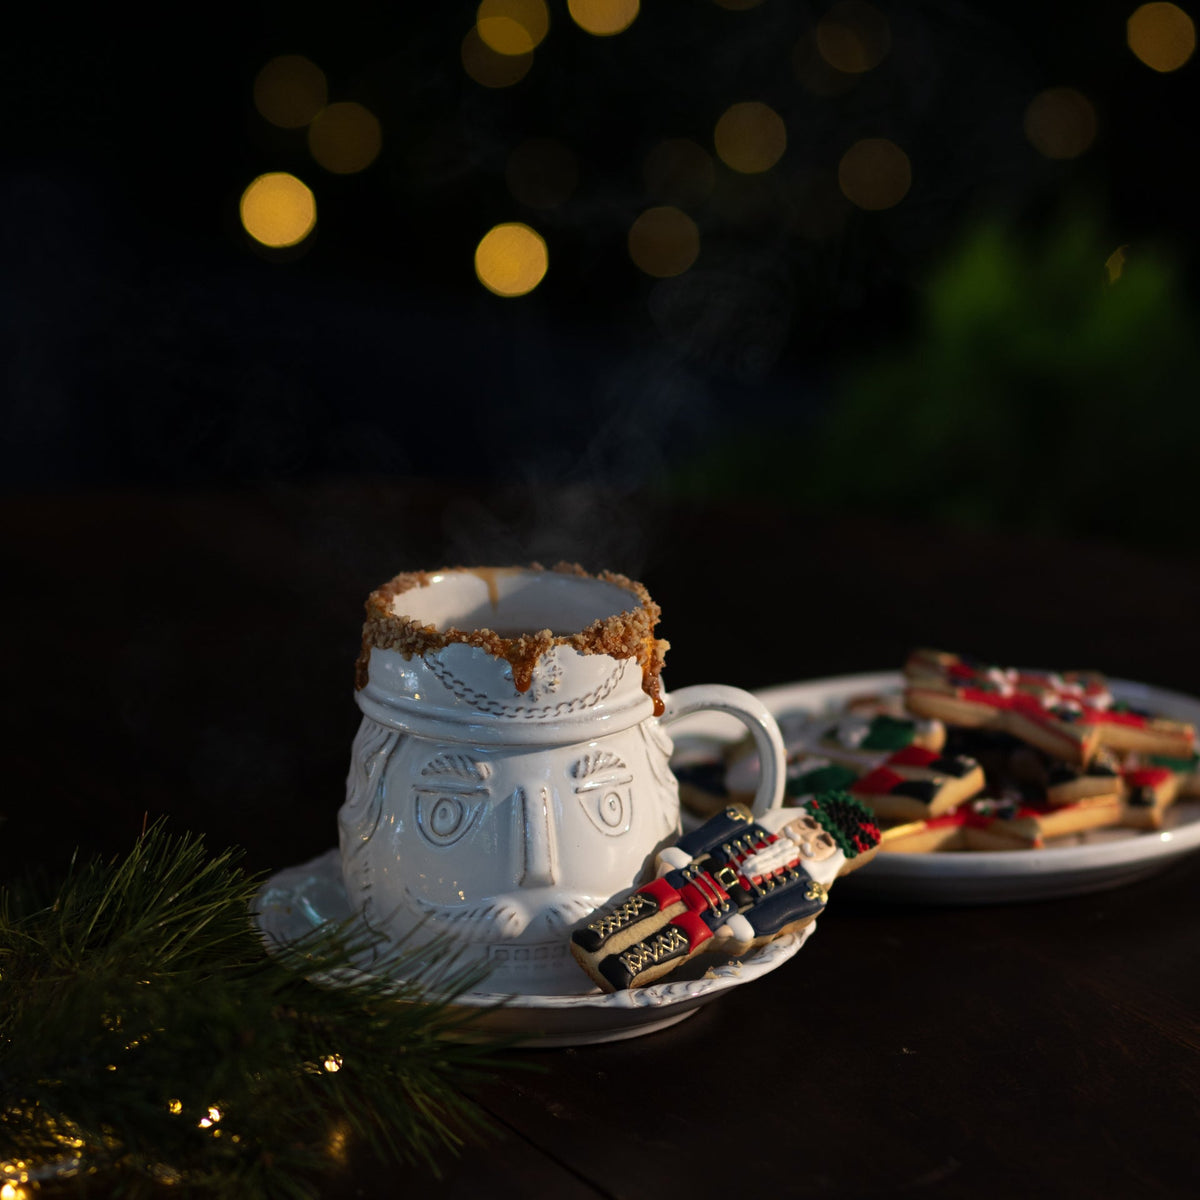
(507,917)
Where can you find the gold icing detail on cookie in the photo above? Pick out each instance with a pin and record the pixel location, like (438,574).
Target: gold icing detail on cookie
(625,914)
(664,944)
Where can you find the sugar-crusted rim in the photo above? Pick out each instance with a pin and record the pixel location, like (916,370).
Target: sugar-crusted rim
(627,634)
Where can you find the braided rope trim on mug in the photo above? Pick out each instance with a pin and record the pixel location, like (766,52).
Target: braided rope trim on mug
(499,708)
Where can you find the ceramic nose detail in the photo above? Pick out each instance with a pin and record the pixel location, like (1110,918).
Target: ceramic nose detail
(538,837)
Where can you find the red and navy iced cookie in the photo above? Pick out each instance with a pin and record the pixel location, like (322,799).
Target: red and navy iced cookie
(734,883)
(1068,715)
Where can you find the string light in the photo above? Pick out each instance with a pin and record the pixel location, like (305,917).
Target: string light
(332,1063)
(1060,123)
(345,138)
(278,210)
(1162,36)
(289,91)
(490,69)
(214,1115)
(750,137)
(664,241)
(853,37)
(511,259)
(604,18)
(874,174)
(512,27)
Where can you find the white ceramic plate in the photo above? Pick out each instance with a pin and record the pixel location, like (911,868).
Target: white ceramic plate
(299,899)
(1093,861)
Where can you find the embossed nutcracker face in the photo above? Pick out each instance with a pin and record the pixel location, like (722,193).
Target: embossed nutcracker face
(489,843)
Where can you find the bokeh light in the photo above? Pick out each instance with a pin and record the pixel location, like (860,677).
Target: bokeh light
(750,137)
(1060,123)
(289,91)
(345,138)
(1163,36)
(815,73)
(541,172)
(603,18)
(853,37)
(512,27)
(511,259)
(679,171)
(278,210)
(664,241)
(874,174)
(490,69)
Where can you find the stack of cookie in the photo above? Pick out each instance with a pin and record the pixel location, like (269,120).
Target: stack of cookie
(971,756)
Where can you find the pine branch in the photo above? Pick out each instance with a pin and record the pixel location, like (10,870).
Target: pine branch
(144,1030)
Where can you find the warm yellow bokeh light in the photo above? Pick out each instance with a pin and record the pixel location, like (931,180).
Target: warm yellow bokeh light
(679,171)
(345,138)
(541,172)
(750,137)
(603,18)
(511,259)
(278,210)
(874,174)
(664,242)
(853,37)
(1163,36)
(289,91)
(1060,123)
(489,69)
(512,27)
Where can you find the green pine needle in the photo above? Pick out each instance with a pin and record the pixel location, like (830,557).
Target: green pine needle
(148,1039)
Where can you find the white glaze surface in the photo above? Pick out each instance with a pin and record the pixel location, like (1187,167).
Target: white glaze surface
(504,817)
(299,899)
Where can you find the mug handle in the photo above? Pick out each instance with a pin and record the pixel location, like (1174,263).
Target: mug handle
(754,715)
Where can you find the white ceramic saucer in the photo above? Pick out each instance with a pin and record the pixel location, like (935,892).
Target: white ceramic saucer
(299,899)
(1089,862)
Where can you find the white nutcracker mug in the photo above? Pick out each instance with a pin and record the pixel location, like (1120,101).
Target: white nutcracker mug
(511,772)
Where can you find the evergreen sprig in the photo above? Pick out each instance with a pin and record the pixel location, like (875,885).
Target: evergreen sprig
(146,1034)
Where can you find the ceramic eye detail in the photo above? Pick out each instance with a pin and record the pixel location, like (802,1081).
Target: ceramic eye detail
(602,784)
(451,791)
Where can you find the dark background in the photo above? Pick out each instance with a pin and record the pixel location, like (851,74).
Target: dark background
(148,341)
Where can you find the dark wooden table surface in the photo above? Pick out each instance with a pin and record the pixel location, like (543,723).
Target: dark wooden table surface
(191,655)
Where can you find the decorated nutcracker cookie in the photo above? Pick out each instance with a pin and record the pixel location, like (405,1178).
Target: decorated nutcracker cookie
(1068,715)
(908,784)
(734,883)
(1009,824)
(1003,823)
(862,735)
